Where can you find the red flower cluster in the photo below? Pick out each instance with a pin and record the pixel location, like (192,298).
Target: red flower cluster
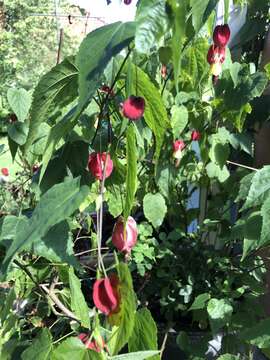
(216,52)
(133,107)
(106,295)
(96,163)
(124,236)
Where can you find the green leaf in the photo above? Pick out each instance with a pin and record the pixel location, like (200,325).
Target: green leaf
(74,348)
(131,177)
(140,355)
(265,235)
(219,153)
(56,245)
(245,184)
(20,102)
(200,302)
(234,71)
(94,54)
(41,347)
(219,311)
(18,132)
(258,335)
(259,189)
(252,233)
(78,303)
(151,24)
(125,318)
(55,205)
(179,120)
(179,12)
(267,69)
(201,10)
(56,88)
(8,226)
(214,171)
(155,114)
(154,208)
(228,357)
(144,336)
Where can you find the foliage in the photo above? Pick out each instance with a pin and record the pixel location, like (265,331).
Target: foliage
(202,216)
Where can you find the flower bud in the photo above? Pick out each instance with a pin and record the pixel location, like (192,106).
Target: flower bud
(124,238)
(127,2)
(92,345)
(163,71)
(178,146)
(106,294)
(216,55)
(133,107)
(195,135)
(221,35)
(107,90)
(96,163)
(5,172)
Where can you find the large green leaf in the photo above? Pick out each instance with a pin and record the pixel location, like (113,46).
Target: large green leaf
(219,311)
(8,226)
(56,205)
(41,347)
(245,184)
(56,88)
(151,24)
(154,208)
(94,54)
(228,357)
(125,318)
(73,348)
(201,10)
(178,19)
(252,233)
(131,177)
(144,336)
(20,102)
(140,355)
(179,120)
(258,335)
(155,114)
(56,245)
(18,132)
(78,303)
(265,235)
(259,189)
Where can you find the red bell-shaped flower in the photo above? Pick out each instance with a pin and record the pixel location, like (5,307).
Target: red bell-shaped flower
(5,172)
(96,163)
(106,294)
(216,55)
(221,35)
(195,135)
(133,107)
(178,146)
(124,237)
(163,71)
(92,345)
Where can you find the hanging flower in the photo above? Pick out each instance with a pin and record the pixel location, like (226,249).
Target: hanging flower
(163,71)
(127,2)
(96,163)
(5,172)
(216,69)
(92,345)
(216,55)
(178,146)
(4,177)
(125,241)
(221,35)
(106,294)
(195,135)
(107,90)
(133,107)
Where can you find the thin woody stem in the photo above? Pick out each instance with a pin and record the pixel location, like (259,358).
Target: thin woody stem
(241,165)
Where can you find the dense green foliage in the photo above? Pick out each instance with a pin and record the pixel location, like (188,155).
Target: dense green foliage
(195,266)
